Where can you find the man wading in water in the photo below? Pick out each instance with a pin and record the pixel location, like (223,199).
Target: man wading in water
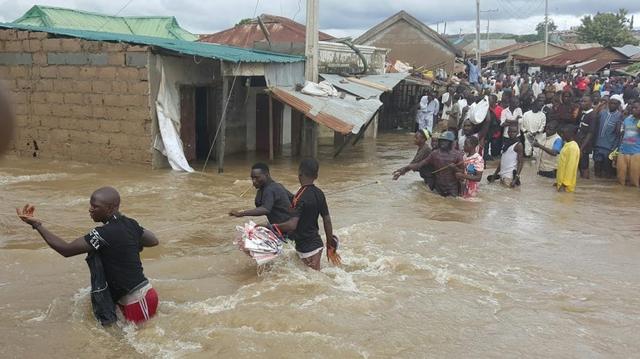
(446,161)
(308,204)
(117,243)
(272,199)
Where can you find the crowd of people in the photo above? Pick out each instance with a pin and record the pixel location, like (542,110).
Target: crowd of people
(562,122)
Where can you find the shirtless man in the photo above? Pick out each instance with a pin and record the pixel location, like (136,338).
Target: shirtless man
(118,242)
(446,161)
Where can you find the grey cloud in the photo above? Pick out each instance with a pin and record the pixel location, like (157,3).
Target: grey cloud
(211,16)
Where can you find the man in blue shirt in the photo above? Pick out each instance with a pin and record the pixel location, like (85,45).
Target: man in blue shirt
(607,138)
(628,164)
(474,72)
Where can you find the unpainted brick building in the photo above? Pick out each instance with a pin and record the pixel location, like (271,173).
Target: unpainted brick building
(95,101)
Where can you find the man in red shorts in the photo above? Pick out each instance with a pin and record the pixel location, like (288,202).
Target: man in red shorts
(117,243)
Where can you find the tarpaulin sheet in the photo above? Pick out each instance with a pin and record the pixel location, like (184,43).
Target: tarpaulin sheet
(168,110)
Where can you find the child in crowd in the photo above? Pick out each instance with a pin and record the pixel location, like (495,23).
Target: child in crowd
(474,166)
(568,160)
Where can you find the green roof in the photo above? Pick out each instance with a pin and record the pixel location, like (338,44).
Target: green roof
(158,26)
(201,49)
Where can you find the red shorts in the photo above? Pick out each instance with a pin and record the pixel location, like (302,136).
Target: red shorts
(142,309)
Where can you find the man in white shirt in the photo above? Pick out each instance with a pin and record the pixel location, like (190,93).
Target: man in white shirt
(433,108)
(533,123)
(537,87)
(511,116)
(423,112)
(447,103)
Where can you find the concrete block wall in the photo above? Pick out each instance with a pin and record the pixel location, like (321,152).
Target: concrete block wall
(77,100)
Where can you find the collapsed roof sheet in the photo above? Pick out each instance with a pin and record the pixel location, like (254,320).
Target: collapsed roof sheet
(343,115)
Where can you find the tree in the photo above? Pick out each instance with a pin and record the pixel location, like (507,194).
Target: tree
(540,29)
(244,21)
(527,38)
(607,29)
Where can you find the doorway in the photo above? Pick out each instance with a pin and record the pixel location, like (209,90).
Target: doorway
(262,124)
(197,119)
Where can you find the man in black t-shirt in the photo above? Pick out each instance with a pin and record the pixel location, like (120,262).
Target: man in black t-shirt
(118,243)
(272,199)
(586,134)
(308,204)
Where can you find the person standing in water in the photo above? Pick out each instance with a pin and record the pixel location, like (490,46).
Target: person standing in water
(308,204)
(422,140)
(473,168)
(118,243)
(628,162)
(272,199)
(511,162)
(568,160)
(446,161)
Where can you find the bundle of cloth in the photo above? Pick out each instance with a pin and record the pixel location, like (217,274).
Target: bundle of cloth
(259,243)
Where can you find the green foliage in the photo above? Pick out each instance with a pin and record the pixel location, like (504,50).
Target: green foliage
(244,21)
(540,29)
(539,35)
(528,38)
(607,29)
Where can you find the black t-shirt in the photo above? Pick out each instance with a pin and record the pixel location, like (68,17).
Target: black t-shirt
(119,244)
(587,125)
(277,200)
(309,204)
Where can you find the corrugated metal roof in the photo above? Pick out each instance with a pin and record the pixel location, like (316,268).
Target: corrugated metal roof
(343,115)
(576,56)
(213,51)
(628,50)
(371,86)
(53,17)
(281,29)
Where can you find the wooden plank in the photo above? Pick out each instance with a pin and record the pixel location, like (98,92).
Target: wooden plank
(223,125)
(270,127)
(188,121)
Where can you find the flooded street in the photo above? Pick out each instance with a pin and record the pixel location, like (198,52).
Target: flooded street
(518,273)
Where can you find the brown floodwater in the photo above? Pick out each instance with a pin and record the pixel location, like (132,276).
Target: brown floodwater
(517,273)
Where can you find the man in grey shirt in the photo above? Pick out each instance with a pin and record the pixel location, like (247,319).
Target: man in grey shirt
(272,199)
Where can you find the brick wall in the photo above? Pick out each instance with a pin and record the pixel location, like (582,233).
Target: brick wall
(75,99)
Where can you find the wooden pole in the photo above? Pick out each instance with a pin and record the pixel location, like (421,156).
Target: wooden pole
(223,125)
(311,52)
(270,128)
(546,28)
(478,34)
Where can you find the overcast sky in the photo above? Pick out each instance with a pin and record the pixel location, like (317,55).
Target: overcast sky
(346,17)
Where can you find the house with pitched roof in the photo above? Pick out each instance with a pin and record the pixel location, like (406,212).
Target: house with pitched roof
(411,41)
(96,96)
(283,35)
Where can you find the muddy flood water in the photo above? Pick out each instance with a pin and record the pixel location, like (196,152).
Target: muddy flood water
(519,273)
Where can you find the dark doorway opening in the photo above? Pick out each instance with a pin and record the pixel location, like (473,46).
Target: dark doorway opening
(202,120)
(197,121)
(262,124)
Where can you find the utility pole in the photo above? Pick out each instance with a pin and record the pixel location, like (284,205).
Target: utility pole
(489,19)
(310,128)
(478,34)
(546,28)
(445,26)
